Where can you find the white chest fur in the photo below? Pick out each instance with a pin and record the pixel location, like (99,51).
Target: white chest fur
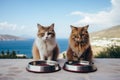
(45,47)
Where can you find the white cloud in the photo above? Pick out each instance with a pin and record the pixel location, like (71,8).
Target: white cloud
(101,18)
(5,25)
(14,29)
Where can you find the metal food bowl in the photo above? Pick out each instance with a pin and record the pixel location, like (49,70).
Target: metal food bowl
(79,67)
(43,66)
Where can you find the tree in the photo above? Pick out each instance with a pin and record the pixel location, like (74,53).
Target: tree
(8,53)
(3,53)
(13,54)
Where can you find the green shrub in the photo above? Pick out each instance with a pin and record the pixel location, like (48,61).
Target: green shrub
(109,52)
(10,55)
(64,56)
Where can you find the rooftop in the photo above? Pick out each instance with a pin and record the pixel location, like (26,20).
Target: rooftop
(15,69)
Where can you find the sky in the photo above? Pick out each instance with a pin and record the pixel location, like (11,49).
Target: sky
(20,17)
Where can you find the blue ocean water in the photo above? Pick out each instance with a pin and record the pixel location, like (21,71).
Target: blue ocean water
(25,47)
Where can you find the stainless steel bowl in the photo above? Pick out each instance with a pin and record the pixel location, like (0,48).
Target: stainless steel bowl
(79,67)
(43,66)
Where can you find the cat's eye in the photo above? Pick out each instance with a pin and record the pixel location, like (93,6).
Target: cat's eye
(42,34)
(75,36)
(86,32)
(49,33)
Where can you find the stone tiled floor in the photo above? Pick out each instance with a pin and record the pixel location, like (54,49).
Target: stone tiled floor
(15,69)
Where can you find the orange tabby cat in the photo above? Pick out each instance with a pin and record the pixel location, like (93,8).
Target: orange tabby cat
(79,44)
(45,46)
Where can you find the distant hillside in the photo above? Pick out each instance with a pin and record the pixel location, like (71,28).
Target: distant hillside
(9,37)
(113,32)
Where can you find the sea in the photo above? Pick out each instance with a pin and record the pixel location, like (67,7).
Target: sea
(25,46)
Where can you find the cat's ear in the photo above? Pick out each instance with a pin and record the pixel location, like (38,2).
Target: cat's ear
(72,27)
(39,26)
(52,26)
(86,27)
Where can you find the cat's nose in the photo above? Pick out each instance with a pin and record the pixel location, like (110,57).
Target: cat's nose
(77,39)
(46,37)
